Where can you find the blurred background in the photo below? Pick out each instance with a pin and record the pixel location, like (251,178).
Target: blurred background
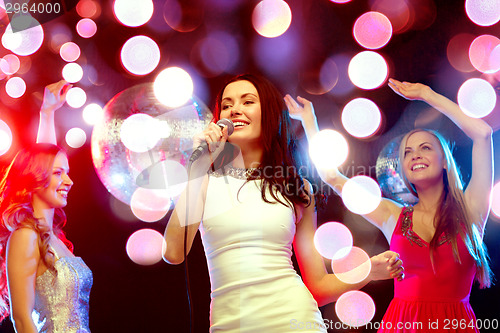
(130,57)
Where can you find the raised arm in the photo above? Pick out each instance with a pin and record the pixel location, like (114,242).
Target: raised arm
(54,97)
(324,287)
(193,198)
(477,194)
(23,257)
(387,213)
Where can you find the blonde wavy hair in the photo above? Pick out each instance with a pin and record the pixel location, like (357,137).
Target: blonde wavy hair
(29,172)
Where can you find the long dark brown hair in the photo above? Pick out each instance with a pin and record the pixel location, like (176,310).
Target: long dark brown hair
(280,158)
(29,172)
(452,216)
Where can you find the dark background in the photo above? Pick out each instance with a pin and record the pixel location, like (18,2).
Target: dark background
(130,298)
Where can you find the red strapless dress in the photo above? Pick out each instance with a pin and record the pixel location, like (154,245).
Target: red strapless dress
(428,301)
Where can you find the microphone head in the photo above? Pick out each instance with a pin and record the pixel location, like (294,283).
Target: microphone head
(224,122)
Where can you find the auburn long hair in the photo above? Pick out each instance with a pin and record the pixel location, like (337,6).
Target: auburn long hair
(29,172)
(279,142)
(452,216)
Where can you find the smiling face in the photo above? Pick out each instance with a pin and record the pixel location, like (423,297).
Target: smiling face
(55,195)
(241,103)
(423,159)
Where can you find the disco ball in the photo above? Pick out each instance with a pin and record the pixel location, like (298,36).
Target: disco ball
(142,143)
(388,175)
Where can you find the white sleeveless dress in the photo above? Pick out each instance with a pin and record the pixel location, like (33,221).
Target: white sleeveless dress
(248,245)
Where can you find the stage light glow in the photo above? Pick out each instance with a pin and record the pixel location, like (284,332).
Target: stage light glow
(481,54)
(136,133)
(361,117)
(10,64)
(333,240)
(168,175)
(72,72)
(476,98)
(361,195)
(150,205)
(397,12)
(368,70)
(355,308)
(218,53)
(495,199)
(173,87)
(15,87)
(76,137)
(92,113)
(183,16)
(88,8)
(354,267)
(69,52)
(5,137)
(144,247)
(329,74)
(76,97)
(86,28)
(133,13)
(271,18)
(458,52)
(483,12)
(140,55)
(273,54)
(27,38)
(372,30)
(340,1)
(328,149)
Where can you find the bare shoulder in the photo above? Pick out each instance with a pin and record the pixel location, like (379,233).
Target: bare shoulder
(23,240)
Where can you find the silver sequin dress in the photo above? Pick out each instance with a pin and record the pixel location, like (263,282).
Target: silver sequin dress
(62,302)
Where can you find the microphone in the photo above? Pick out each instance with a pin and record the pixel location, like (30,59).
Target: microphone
(201,149)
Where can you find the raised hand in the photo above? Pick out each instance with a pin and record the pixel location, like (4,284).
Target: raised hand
(410,91)
(297,111)
(54,96)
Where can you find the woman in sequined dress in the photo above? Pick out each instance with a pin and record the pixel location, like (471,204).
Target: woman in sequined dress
(440,237)
(43,286)
(251,208)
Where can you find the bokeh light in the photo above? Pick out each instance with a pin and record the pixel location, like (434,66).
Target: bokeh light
(5,137)
(476,98)
(173,87)
(140,55)
(372,30)
(27,38)
(328,149)
(133,13)
(368,70)
(398,12)
(86,28)
(76,137)
(217,53)
(72,72)
(481,54)
(15,87)
(169,176)
(361,117)
(354,267)
(150,205)
(69,52)
(340,1)
(272,55)
(333,240)
(144,247)
(137,133)
(355,308)
(92,113)
(10,64)
(76,97)
(88,8)
(495,199)
(271,18)
(483,12)
(458,52)
(361,195)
